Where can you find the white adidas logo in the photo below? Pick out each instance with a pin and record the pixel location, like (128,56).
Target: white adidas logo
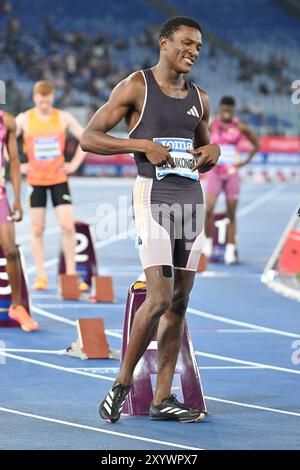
(193,111)
(109,402)
(170,409)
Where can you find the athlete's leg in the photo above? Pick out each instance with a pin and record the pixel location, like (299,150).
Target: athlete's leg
(38,215)
(212,191)
(231,212)
(232,188)
(169,335)
(210,203)
(65,216)
(37,211)
(17,311)
(13,267)
(158,300)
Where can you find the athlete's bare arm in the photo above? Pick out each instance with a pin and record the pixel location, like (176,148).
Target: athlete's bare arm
(21,124)
(207,154)
(252,137)
(12,150)
(126,101)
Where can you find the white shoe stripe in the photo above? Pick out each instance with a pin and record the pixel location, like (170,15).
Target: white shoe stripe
(179,412)
(108,409)
(109,400)
(174,410)
(166,409)
(111,394)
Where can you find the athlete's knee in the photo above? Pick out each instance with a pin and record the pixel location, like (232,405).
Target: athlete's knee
(231,213)
(38,230)
(10,252)
(67,228)
(180,302)
(209,211)
(159,302)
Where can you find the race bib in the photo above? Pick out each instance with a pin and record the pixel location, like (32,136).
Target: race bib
(46,148)
(229,155)
(183,160)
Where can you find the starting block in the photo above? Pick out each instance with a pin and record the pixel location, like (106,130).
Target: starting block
(86,267)
(68,286)
(103,289)
(186,382)
(219,236)
(85,256)
(91,342)
(5,291)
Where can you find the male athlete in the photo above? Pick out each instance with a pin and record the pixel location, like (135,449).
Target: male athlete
(167,119)
(44,133)
(226,130)
(16,311)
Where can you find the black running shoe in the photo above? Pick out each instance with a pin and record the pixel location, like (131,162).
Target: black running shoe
(111,407)
(171,409)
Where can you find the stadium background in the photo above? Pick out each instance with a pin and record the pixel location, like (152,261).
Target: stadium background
(250,51)
(246,337)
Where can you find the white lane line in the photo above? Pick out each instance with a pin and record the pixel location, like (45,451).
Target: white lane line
(256,407)
(123,235)
(223,330)
(213,356)
(58,352)
(100,244)
(259,201)
(43,296)
(22,239)
(112,379)
(53,366)
(228,367)
(80,305)
(92,428)
(249,363)
(98,369)
(45,313)
(201,313)
(116,369)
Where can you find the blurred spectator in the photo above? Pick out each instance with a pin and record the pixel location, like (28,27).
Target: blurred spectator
(84,69)
(14,98)
(5,7)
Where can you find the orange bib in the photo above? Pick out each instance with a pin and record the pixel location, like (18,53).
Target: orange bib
(44,144)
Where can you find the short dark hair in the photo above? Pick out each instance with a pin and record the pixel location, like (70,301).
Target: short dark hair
(173,24)
(228,101)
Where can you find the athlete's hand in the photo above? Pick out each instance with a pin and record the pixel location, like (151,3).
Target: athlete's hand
(24,168)
(17,211)
(69,168)
(158,154)
(206,157)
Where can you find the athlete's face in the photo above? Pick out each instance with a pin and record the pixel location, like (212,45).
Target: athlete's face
(43,103)
(226,112)
(182,48)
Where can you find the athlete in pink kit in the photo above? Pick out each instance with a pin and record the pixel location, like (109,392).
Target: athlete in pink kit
(226,130)
(17,311)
